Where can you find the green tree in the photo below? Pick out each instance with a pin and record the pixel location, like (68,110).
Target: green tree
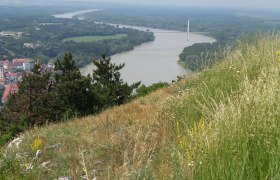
(145,90)
(76,93)
(110,87)
(33,104)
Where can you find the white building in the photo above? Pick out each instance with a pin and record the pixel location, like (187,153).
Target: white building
(27,66)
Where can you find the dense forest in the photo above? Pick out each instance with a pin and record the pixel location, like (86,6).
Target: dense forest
(42,37)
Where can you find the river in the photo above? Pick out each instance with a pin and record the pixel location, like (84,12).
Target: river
(153,61)
(70,15)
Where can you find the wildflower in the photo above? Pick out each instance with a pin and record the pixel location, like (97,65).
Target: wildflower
(278,54)
(18,156)
(179,137)
(38,153)
(36,144)
(16,142)
(27,166)
(191,164)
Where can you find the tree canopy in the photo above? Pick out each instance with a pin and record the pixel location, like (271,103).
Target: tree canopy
(110,87)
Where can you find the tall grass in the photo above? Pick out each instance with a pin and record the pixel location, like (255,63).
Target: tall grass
(243,135)
(229,127)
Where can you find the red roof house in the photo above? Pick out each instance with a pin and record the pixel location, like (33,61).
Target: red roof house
(10,89)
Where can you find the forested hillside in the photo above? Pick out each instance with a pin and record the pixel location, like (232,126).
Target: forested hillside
(39,35)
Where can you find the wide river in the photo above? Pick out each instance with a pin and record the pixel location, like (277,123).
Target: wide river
(153,61)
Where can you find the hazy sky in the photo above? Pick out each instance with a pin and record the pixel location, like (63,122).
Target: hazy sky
(213,3)
(275,4)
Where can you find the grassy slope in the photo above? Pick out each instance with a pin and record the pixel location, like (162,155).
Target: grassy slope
(94,38)
(222,123)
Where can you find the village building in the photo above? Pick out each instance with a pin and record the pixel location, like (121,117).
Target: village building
(6,64)
(27,66)
(15,35)
(2,82)
(13,77)
(16,64)
(10,89)
(31,45)
(11,72)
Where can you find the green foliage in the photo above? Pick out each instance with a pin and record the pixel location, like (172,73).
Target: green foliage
(11,168)
(200,55)
(5,136)
(145,90)
(108,83)
(47,33)
(33,104)
(76,95)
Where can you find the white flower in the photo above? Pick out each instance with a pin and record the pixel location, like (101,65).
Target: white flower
(38,153)
(16,142)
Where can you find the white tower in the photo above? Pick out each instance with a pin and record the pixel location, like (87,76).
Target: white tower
(1,72)
(188,32)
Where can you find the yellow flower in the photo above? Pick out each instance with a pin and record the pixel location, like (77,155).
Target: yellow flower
(179,136)
(278,54)
(36,144)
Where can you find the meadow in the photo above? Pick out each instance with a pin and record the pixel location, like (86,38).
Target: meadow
(80,39)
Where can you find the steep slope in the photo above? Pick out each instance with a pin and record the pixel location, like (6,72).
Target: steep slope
(222,123)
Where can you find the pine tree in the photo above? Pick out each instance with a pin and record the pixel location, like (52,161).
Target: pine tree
(33,104)
(110,87)
(76,93)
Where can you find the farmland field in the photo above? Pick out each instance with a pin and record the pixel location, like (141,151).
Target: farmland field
(93,38)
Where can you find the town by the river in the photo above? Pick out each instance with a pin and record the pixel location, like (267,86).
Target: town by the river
(153,61)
